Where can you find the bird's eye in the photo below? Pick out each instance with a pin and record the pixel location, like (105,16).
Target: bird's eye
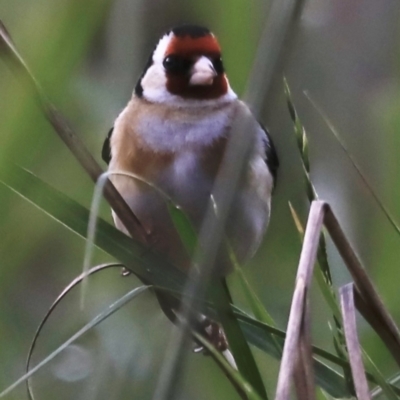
(176,64)
(217,64)
(170,62)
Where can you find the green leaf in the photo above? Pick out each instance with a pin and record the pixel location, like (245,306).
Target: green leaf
(221,299)
(256,306)
(135,256)
(330,380)
(374,370)
(232,373)
(236,338)
(184,227)
(138,258)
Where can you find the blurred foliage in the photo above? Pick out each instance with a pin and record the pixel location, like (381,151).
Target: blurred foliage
(88,55)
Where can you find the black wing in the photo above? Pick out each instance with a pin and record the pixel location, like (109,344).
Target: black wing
(106,150)
(271,157)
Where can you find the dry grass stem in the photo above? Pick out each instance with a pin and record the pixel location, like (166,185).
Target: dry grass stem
(290,349)
(304,372)
(375,321)
(364,285)
(9,52)
(296,359)
(296,317)
(352,342)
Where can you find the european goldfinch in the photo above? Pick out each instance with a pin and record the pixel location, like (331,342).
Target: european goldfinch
(173,134)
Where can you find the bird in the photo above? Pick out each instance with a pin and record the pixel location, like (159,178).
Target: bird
(172,135)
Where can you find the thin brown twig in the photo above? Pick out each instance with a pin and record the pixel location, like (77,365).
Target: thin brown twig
(64,130)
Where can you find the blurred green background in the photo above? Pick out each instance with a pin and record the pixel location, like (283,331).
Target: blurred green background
(88,56)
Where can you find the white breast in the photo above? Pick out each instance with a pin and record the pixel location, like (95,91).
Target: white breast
(174,130)
(185,133)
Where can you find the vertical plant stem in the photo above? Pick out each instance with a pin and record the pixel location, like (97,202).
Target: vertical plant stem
(352,342)
(304,371)
(303,280)
(325,284)
(290,349)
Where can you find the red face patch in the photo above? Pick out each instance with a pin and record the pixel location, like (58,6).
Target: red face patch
(190,49)
(187,46)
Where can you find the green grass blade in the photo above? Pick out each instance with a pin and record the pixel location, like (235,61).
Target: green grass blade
(135,256)
(321,395)
(232,373)
(325,377)
(324,374)
(324,279)
(258,339)
(184,227)
(138,258)
(322,274)
(256,306)
(221,300)
(326,292)
(331,300)
(91,324)
(370,367)
(393,380)
(237,342)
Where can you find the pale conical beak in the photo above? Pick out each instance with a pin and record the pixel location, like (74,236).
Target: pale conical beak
(202,73)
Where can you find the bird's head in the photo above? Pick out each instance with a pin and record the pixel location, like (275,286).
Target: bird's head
(185,68)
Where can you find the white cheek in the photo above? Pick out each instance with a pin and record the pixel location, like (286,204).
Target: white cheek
(161,48)
(154,84)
